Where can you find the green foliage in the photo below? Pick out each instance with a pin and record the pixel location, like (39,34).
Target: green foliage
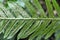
(27,19)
